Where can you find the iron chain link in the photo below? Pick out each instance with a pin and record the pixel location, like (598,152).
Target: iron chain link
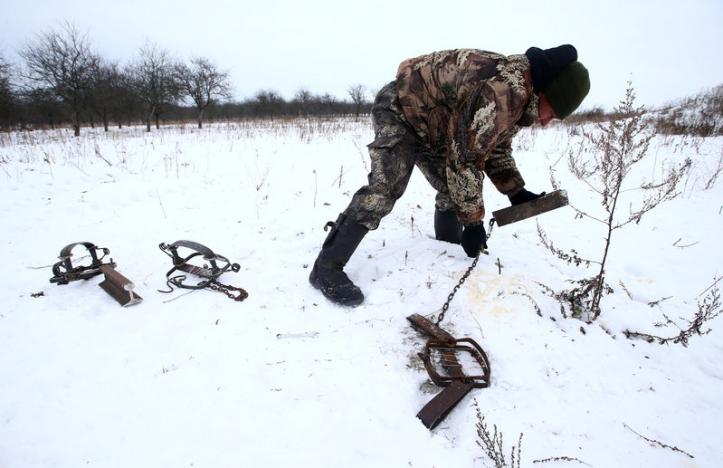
(456,288)
(237,294)
(466,274)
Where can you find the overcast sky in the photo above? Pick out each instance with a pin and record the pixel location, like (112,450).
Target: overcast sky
(668,49)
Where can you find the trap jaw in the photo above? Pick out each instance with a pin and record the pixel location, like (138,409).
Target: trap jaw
(64,271)
(115,284)
(449,352)
(455,382)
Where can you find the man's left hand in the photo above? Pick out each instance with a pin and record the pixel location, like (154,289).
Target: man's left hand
(523,196)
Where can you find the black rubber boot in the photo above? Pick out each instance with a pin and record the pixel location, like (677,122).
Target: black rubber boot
(447,227)
(328,272)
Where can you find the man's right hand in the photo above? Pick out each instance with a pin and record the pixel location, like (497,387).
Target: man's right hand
(474,239)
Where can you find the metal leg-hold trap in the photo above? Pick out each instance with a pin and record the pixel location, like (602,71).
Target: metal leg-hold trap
(115,284)
(441,358)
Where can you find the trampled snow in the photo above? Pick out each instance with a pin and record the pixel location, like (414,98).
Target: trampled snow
(286,378)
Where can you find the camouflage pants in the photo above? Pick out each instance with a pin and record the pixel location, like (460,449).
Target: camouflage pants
(395,151)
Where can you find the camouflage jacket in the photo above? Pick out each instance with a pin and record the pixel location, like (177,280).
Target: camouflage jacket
(467,104)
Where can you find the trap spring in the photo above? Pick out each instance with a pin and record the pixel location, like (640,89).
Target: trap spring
(215,266)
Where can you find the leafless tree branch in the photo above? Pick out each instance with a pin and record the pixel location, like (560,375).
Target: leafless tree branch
(658,443)
(708,309)
(492,444)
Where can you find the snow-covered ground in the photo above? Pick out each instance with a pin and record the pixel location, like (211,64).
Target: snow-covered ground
(288,379)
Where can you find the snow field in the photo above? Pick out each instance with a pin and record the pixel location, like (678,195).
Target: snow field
(287,378)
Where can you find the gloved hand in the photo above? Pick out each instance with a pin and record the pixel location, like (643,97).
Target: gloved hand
(523,196)
(474,239)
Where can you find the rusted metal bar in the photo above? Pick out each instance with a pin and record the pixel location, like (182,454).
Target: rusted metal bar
(119,287)
(545,203)
(440,406)
(426,326)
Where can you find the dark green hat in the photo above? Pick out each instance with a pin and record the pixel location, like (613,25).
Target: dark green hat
(567,89)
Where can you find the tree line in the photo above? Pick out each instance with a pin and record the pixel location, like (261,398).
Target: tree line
(63,80)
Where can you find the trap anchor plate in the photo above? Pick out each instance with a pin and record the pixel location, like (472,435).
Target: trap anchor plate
(545,203)
(119,287)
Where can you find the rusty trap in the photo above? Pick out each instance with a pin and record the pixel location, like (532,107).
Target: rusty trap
(115,284)
(457,365)
(198,260)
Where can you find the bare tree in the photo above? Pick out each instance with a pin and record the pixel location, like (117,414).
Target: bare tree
(328,102)
(62,61)
(7,95)
(617,146)
(357,93)
(304,98)
(203,83)
(5,71)
(105,95)
(127,102)
(41,105)
(155,82)
(268,103)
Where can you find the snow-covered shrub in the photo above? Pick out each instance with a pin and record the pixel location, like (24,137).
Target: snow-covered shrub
(604,161)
